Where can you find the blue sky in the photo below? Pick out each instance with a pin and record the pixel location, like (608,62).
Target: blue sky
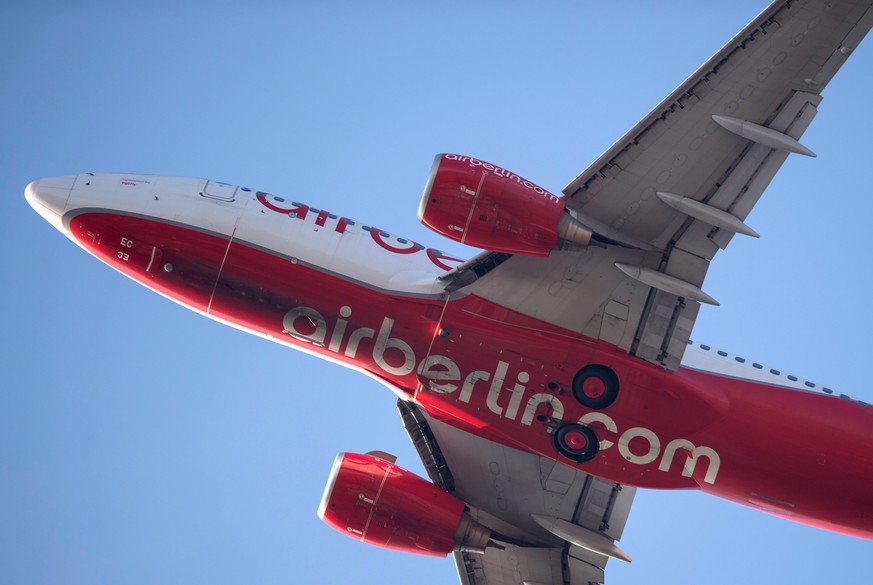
(141,443)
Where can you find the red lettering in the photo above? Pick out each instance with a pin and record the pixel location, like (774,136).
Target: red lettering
(299,212)
(377,237)
(342,224)
(437,258)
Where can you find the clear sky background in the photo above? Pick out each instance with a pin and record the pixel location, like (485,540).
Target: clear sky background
(141,443)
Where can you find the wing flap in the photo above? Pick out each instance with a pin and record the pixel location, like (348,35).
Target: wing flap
(512,565)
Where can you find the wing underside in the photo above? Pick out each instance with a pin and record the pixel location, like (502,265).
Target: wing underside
(677,187)
(503,488)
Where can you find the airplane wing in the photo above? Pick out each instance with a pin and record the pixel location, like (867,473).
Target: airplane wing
(677,187)
(503,488)
(662,201)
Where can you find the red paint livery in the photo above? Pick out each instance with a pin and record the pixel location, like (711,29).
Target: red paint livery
(541,381)
(486,206)
(741,440)
(377,502)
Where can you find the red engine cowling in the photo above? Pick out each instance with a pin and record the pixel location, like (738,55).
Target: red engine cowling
(374,501)
(486,206)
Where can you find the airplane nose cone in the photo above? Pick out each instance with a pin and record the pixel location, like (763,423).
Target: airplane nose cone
(48,197)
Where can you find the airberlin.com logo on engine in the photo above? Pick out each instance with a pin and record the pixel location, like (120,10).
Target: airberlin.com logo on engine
(502,173)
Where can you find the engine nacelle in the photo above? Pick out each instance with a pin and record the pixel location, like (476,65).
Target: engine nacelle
(373,500)
(486,206)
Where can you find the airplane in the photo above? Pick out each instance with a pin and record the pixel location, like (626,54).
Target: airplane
(560,359)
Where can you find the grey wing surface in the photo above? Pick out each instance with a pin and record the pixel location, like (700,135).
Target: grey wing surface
(503,488)
(678,186)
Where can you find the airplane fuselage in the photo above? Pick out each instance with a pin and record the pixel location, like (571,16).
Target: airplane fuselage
(359,296)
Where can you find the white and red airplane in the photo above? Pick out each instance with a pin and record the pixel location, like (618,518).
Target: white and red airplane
(545,379)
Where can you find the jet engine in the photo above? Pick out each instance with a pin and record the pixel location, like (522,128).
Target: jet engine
(372,500)
(486,206)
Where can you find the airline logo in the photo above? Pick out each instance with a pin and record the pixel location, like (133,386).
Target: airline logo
(396,357)
(320,217)
(502,173)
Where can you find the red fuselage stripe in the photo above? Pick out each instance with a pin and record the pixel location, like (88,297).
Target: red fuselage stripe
(506,377)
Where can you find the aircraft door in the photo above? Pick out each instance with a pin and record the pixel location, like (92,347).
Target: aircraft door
(219,191)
